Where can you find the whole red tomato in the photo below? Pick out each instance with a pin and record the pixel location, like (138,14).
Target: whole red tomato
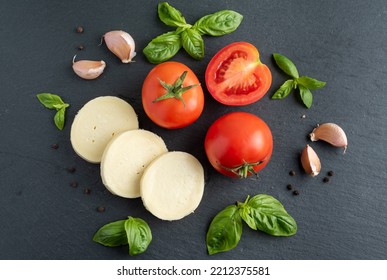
(239,144)
(172,96)
(235,75)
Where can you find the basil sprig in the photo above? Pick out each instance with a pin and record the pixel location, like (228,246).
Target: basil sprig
(261,212)
(304,83)
(54,102)
(134,232)
(188,36)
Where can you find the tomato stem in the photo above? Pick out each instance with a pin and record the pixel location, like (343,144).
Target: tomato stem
(243,170)
(175,90)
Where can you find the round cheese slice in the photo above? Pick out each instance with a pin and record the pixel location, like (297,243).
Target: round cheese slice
(97,122)
(172,185)
(125,158)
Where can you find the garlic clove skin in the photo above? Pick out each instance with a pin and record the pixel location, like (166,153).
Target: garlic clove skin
(121,44)
(310,161)
(331,133)
(89,69)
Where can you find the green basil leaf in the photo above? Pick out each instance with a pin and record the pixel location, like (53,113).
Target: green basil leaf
(163,47)
(59,118)
(270,216)
(310,83)
(244,212)
(171,16)
(193,43)
(286,65)
(284,90)
(112,234)
(219,23)
(49,100)
(306,96)
(138,235)
(225,230)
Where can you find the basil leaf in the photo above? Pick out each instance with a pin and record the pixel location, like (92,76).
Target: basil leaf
(193,43)
(59,118)
(310,83)
(284,90)
(306,96)
(49,100)
(244,212)
(171,16)
(219,23)
(286,65)
(225,230)
(138,235)
(270,216)
(112,234)
(163,47)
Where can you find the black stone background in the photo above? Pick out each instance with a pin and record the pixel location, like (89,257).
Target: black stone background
(341,42)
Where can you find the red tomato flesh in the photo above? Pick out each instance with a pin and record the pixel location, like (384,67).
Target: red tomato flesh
(236,76)
(239,144)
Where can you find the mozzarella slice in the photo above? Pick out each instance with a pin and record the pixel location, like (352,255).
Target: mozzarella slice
(125,158)
(96,124)
(172,185)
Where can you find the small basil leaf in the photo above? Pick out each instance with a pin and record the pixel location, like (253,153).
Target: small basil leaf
(306,96)
(270,216)
(163,47)
(112,234)
(193,43)
(49,100)
(286,65)
(171,16)
(284,90)
(225,230)
(244,212)
(59,118)
(310,83)
(138,235)
(219,23)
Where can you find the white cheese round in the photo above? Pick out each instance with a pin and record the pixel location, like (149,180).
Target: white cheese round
(125,158)
(97,122)
(172,185)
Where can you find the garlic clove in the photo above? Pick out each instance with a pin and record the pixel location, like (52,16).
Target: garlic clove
(121,44)
(310,161)
(331,133)
(88,69)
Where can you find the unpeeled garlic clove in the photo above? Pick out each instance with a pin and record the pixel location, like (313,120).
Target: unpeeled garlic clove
(121,44)
(310,161)
(88,69)
(331,133)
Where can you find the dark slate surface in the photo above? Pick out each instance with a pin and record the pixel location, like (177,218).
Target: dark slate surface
(341,42)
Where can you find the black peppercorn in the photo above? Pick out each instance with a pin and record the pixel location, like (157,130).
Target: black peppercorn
(326,180)
(289,187)
(79,29)
(331,173)
(292,173)
(74,184)
(55,146)
(87,191)
(296,192)
(71,169)
(81,47)
(101,209)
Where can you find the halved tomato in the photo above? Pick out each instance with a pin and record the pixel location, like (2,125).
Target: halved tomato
(236,76)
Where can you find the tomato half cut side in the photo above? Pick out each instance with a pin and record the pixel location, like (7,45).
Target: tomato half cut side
(235,75)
